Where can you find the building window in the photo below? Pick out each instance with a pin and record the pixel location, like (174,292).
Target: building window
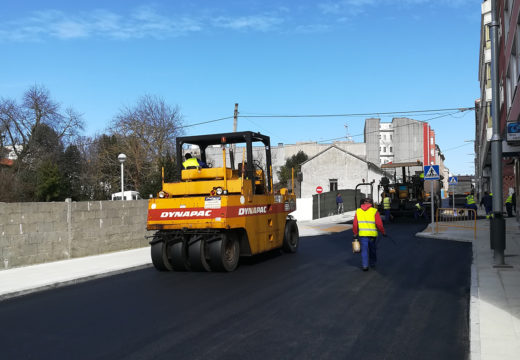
(333,184)
(507,17)
(509,88)
(384,149)
(391,149)
(517,43)
(513,65)
(390,136)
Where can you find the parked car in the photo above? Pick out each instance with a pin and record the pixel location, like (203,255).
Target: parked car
(128,195)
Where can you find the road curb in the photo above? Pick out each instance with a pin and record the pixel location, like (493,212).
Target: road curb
(64,283)
(440,237)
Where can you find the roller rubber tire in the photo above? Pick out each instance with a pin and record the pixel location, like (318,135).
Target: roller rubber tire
(197,255)
(291,237)
(224,253)
(160,257)
(179,256)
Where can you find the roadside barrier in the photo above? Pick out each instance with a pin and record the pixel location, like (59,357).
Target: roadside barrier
(458,218)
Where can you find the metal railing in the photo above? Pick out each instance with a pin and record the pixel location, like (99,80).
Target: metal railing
(456,218)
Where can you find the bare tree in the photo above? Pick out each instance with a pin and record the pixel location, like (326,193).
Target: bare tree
(18,121)
(148,132)
(152,122)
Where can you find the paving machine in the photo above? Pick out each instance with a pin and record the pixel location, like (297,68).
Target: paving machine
(211,217)
(409,189)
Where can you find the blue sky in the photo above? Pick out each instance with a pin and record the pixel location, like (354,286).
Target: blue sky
(271,57)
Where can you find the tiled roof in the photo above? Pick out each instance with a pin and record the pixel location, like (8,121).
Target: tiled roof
(6,162)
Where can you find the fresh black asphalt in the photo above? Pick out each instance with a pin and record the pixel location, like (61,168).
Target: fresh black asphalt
(315,304)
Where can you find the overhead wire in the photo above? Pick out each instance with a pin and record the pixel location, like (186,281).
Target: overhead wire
(376,131)
(204,122)
(408,112)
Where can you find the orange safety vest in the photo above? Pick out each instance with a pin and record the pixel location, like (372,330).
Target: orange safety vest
(367,222)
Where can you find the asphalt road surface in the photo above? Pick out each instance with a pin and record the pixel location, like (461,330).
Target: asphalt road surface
(315,304)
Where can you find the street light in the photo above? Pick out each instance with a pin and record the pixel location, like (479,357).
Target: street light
(122,158)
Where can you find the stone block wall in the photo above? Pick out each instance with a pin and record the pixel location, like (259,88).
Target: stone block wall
(32,233)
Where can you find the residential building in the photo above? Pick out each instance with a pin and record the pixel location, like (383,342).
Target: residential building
(402,140)
(509,102)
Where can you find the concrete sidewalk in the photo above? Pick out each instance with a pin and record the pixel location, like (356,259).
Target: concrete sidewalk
(495,292)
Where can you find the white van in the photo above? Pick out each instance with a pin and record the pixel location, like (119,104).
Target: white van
(128,195)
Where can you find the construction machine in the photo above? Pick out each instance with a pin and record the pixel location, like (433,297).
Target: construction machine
(409,189)
(210,217)
(458,192)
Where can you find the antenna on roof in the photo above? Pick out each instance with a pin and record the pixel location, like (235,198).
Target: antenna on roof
(348,137)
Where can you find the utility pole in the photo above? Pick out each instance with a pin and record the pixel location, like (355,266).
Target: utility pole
(235,118)
(232,150)
(498,223)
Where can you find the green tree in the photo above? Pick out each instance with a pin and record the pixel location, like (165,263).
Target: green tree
(44,147)
(71,169)
(48,182)
(295,161)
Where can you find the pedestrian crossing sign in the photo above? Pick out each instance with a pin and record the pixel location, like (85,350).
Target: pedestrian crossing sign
(431,172)
(452,180)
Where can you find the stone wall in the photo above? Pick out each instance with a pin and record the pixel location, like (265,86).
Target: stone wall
(32,233)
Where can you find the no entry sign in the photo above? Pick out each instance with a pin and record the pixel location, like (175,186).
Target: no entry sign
(319,189)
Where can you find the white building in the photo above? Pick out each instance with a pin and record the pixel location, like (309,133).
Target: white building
(334,169)
(386,143)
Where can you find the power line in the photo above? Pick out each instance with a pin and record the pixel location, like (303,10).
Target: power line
(409,112)
(375,131)
(204,122)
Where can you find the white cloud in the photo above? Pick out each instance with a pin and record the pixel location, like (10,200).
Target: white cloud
(312,28)
(142,22)
(150,22)
(258,22)
(355,7)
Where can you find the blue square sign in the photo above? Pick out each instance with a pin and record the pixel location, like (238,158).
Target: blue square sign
(431,172)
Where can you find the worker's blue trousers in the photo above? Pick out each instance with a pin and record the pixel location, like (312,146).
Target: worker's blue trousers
(387,215)
(471,213)
(368,251)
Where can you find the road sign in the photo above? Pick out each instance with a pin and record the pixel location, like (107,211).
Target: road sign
(452,180)
(319,189)
(431,172)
